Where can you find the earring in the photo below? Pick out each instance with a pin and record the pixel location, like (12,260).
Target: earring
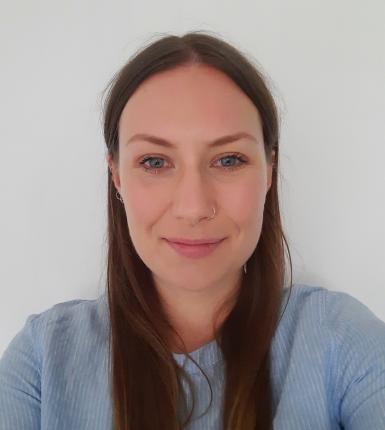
(244,268)
(118,196)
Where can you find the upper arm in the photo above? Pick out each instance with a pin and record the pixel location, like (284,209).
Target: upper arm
(20,386)
(360,368)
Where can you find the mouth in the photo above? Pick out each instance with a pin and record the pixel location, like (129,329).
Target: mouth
(195,250)
(194,241)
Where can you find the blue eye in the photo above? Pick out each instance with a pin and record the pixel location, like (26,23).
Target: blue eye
(155,167)
(233,157)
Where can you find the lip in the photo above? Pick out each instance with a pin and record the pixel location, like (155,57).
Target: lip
(193,241)
(194,251)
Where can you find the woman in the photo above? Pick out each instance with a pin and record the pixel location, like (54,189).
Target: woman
(196,335)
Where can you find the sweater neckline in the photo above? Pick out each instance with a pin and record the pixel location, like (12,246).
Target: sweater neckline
(206,356)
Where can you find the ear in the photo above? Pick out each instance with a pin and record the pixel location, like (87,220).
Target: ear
(114,171)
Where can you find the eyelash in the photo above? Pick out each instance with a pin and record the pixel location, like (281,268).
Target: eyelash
(234,156)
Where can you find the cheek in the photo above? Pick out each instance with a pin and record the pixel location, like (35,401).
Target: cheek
(142,204)
(245,203)
(245,208)
(137,206)
(141,208)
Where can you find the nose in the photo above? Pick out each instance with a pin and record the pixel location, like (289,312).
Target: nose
(194,198)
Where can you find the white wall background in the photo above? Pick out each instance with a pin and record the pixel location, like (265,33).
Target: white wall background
(327,62)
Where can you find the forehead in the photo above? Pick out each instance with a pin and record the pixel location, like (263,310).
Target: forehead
(189,101)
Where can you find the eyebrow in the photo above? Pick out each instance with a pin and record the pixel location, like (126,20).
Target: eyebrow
(217,142)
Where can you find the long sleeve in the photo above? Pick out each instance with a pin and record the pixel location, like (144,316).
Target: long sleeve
(20,382)
(359,371)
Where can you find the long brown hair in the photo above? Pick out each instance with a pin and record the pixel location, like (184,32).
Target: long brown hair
(146,380)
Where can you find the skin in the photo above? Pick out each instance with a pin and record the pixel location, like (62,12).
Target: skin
(191,106)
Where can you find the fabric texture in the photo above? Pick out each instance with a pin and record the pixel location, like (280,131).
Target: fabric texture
(327,368)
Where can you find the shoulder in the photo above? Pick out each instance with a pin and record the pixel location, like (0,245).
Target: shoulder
(65,323)
(58,348)
(351,335)
(333,334)
(332,310)
(353,345)
(304,305)
(77,310)
(339,322)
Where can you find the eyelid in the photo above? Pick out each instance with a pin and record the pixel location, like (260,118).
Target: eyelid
(242,162)
(230,154)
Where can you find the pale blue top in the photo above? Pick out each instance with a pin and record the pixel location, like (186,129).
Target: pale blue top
(328,368)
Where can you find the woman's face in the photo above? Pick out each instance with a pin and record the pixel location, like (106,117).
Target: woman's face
(172,194)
